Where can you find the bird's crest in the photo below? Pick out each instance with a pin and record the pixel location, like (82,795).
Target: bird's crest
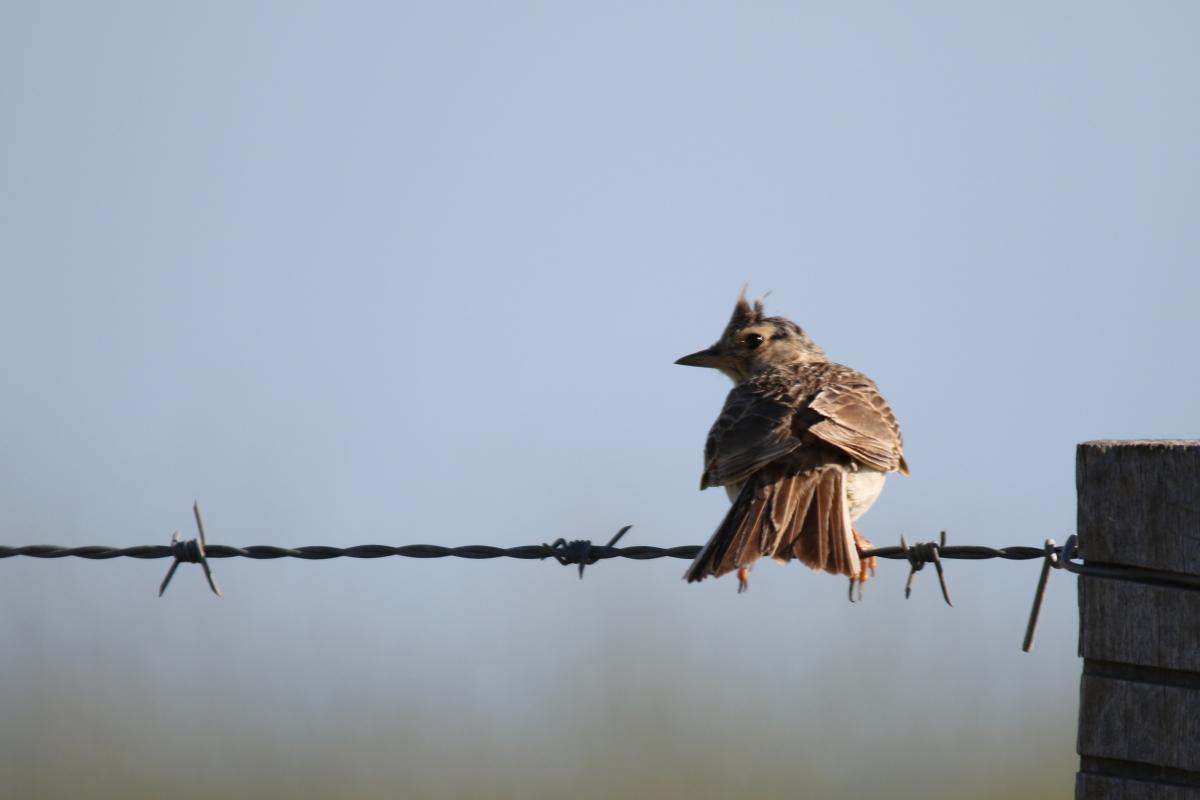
(744,313)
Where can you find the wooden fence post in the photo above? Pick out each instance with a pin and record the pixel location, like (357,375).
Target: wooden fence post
(1139,703)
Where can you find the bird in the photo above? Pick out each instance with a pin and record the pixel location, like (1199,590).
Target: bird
(802,446)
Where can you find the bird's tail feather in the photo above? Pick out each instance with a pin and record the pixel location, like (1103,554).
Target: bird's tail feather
(802,515)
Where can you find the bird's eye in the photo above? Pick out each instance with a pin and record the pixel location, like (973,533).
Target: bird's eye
(754,340)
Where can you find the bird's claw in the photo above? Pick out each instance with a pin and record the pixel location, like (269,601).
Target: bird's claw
(743,575)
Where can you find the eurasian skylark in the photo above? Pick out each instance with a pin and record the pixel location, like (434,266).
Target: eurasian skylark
(802,447)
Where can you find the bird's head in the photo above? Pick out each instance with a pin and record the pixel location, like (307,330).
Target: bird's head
(753,343)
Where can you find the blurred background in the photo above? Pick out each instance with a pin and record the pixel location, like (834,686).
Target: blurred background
(400,273)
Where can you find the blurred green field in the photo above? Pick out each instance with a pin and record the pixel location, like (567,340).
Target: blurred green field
(633,747)
(519,703)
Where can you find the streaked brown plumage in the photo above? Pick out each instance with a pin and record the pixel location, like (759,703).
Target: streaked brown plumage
(802,446)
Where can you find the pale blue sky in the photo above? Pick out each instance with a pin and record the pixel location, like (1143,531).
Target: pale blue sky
(417,273)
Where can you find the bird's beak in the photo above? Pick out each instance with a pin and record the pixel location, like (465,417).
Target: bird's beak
(712,357)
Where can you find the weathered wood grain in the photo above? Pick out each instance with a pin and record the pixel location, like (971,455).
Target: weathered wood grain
(1133,623)
(1139,503)
(1139,708)
(1142,722)
(1102,787)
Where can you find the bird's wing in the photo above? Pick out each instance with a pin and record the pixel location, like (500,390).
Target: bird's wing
(858,421)
(754,429)
(766,419)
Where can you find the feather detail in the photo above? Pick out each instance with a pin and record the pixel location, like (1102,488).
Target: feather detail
(801,515)
(769,416)
(859,422)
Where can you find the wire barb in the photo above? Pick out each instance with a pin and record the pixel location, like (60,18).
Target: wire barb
(193,551)
(579,551)
(918,556)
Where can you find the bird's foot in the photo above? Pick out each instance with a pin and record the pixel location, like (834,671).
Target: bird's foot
(866,567)
(743,579)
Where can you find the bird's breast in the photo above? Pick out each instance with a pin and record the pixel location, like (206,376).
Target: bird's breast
(862,489)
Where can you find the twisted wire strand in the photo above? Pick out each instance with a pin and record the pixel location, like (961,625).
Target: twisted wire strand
(473,551)
(325,552)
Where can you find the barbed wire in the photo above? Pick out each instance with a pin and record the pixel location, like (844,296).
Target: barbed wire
(583,553)
(528,552)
